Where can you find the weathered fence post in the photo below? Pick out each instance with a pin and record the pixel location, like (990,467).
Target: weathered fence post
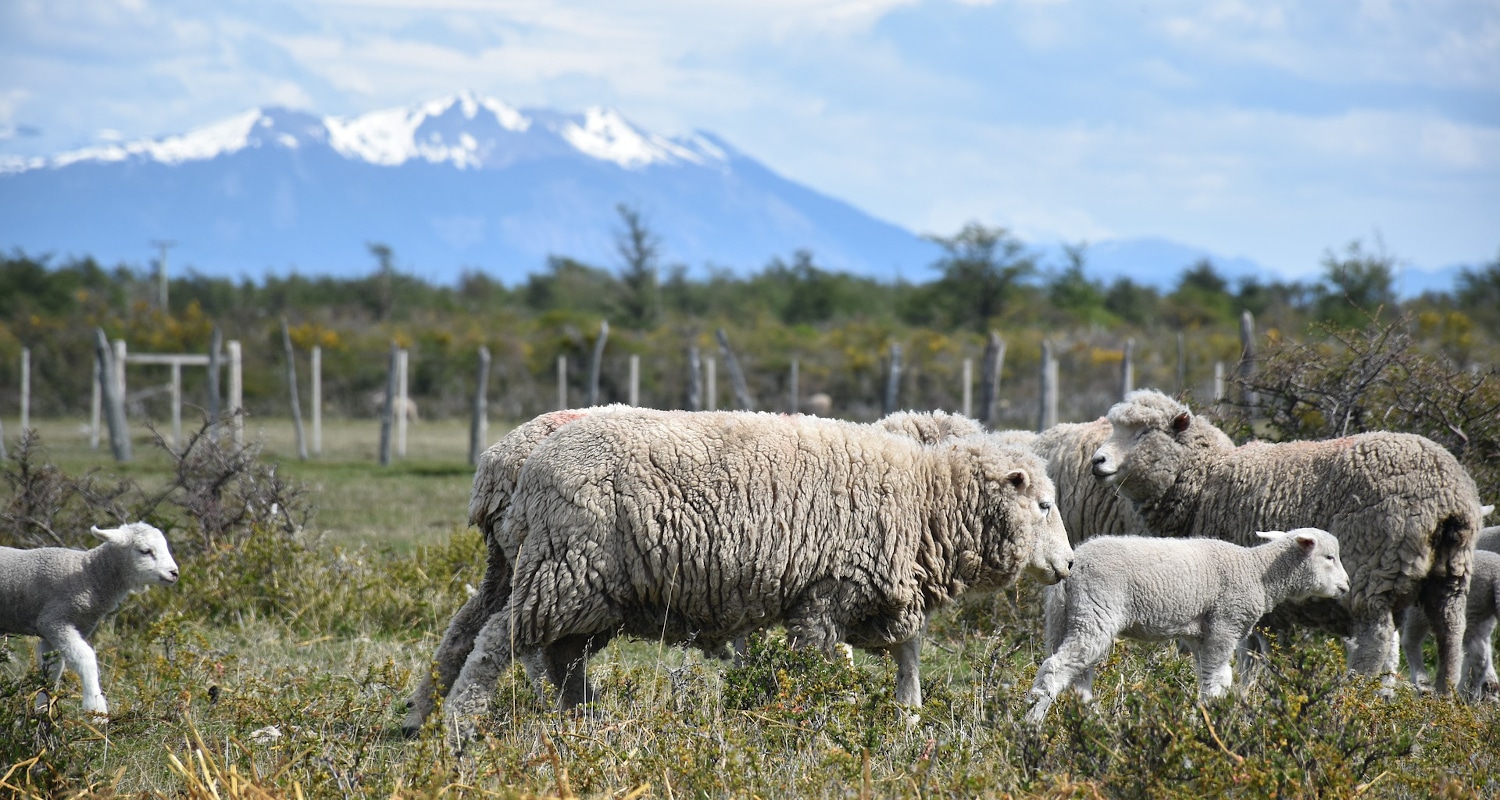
(736,375)
(479,423)
(388,410)
(1048,413)
(695,379)
(403,400)
(1218,381)
(562,382)
(635,380)
(711,395)
(989,381)
(215,344)
(792,390)
(236,389)
(94,407)
(118,374)
(176,405)
(1127,368)
(1246,368)
(25,389)
(113,398)
(891,401)
(968,388)
(1181,362)
(316,365)
(596,362)
(291,383)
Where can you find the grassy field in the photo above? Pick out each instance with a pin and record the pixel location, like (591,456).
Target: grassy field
(277,666)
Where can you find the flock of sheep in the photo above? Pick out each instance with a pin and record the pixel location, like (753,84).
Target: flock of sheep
(698,528)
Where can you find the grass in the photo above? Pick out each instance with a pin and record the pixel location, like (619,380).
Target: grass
(277,668)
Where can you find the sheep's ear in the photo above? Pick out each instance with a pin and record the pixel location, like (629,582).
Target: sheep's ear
(1270,534)
(107,534)
(1181,421)
(1018,478)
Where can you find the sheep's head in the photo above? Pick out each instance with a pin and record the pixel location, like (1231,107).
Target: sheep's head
(148,558)
(929,427)
(1318,571)
(1023,528)
(1152,439)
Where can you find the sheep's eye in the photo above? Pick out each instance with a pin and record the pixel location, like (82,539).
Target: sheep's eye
(1046,506)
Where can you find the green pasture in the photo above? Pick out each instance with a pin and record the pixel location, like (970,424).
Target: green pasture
(277,667)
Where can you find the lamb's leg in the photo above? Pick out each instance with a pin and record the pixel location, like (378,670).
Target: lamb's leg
(1414,630)
(1479,678)
(1078,652)
(1211,656)
(1444,601)
(470,697)
(80,657)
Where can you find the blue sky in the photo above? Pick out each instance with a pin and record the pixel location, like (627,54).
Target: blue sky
(1271,130)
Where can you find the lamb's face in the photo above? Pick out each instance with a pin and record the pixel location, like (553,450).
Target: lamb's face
(149,557)
(1321,573)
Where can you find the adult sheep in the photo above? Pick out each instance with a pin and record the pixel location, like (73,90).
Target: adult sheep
(1089,507)
(695,528)
(495,477)
(61,594)
(1404,510)
(1479,680)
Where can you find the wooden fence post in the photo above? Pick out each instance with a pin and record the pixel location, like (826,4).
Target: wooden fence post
(479,423)
(113,398)
(403,400)
(891,401)
(291,383)
(25,389)
(792,390)
(562,382)
(94,402)
(736,375)
(215,344)
(1246,368)
(315,364)
(711,394)
(1127,369)
(596,362)
(119,373)
(635,380)
(989,381)
(968,388)
(1181,362)
(1048,415)
(694,379)
(236,389)
(1218,381)
(176,405)
(388,413)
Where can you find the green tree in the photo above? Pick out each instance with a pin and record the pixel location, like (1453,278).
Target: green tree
(1356,286)
(1478,294)
(1132,302)
(1072,292)
(982,270)
(640,250)
(1201,298)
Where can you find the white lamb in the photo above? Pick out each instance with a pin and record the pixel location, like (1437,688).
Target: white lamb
(61,595)
(1205,593)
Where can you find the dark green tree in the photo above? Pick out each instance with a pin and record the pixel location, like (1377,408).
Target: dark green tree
(640,251)
(1072,292)
(982,270)
(1357,286)
(1201,298)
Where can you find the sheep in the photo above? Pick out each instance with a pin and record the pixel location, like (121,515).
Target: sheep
(1479,681)
(60,595)
(495,480)
(1488,539)
(1204,593)
(1089,507)
(694,528)
(1404,510)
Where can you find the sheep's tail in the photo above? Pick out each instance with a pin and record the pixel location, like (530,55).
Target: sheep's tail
(1445,590)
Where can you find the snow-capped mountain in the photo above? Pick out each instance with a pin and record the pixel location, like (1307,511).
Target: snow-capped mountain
(464,182)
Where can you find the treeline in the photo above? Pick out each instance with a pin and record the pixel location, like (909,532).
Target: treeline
(838,326)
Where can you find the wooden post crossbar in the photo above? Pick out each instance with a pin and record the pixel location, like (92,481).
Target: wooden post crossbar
(176,361)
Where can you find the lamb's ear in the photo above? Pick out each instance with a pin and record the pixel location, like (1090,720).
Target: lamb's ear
(1271,534)
(1181,422)
(107,534)
(1307,542)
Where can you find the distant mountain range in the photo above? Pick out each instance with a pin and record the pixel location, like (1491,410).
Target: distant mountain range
(465,183)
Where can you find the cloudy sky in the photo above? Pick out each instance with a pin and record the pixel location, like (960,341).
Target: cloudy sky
(1269,129)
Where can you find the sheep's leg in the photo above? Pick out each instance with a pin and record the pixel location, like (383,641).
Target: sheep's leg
(1414,630)
(457,643)
(908,672)
(1076,654)
(566,660)
(81,659)
(1444,600)
(1374,642)
(470,696)
(1479,678)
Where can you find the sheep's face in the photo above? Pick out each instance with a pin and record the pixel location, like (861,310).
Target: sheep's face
(1320,573)
(1152,439)
(1024,530)
(1051,557)
(149,557)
